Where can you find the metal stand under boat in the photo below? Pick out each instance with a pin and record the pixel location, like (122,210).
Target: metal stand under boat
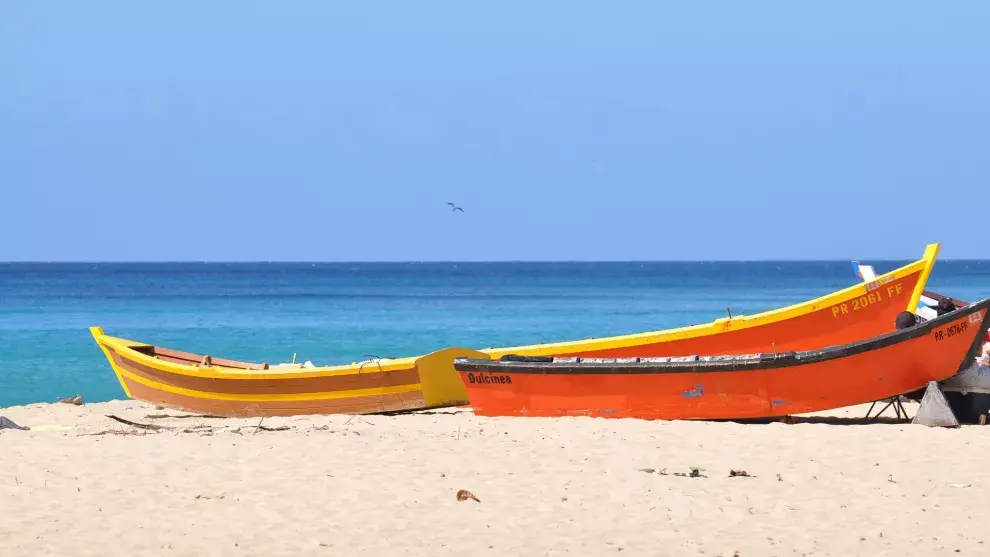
(896,403)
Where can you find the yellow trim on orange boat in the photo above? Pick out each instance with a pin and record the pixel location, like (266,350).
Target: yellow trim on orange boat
(931,252)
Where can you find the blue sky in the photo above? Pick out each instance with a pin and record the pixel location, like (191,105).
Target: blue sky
(567,130)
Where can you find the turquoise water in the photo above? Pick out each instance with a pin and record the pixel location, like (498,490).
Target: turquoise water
(341,312)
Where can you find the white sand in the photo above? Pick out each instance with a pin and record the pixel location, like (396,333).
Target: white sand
(386,486)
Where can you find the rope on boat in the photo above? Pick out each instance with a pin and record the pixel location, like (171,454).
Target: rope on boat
(378,362)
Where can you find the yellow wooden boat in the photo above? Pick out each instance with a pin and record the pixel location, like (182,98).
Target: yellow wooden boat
(201,383)
(198,383)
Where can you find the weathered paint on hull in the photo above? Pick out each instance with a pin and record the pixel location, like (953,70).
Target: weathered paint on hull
(843,381)
(368,404)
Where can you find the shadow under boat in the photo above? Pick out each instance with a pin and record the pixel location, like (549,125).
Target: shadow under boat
(823,420)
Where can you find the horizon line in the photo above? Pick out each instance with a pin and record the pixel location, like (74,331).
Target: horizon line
(447,261)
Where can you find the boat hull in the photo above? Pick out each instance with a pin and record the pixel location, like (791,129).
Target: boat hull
(761,386)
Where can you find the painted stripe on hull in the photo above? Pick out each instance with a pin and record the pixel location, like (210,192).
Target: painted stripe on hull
(808,387)
(368,378)
(353,405)
(137,378)
(173,391)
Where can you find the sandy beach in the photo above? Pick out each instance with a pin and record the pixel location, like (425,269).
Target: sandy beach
(80,483)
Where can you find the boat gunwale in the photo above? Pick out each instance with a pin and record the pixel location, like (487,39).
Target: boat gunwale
(123,347)
(736,363)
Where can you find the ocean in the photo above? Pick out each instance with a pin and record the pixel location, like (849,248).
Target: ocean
(332,313)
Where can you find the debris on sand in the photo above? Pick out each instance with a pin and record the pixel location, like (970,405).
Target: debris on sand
(76,400)
(211,496)
(464,495)
(151,427)
(696,472)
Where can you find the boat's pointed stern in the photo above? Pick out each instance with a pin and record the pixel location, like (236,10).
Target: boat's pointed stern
(441,384)
(931,254)
(101,340)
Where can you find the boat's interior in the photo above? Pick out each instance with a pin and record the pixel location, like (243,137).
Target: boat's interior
(715,363)
(188,358)
(937,297)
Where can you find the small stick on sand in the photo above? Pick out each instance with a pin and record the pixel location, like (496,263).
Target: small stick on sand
(358,416)
(112,432)
(266,428)
(209,496)
(180,416)
(152,427)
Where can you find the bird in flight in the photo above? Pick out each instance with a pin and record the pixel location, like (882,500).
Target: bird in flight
(454,207)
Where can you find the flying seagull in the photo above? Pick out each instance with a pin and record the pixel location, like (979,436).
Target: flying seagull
(454,207)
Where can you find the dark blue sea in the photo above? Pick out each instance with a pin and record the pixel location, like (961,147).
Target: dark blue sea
(334,313)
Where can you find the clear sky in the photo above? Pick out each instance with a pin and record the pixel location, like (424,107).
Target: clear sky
(322,130)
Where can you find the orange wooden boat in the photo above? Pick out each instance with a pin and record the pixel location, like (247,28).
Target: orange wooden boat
(860,311)
(728,387)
